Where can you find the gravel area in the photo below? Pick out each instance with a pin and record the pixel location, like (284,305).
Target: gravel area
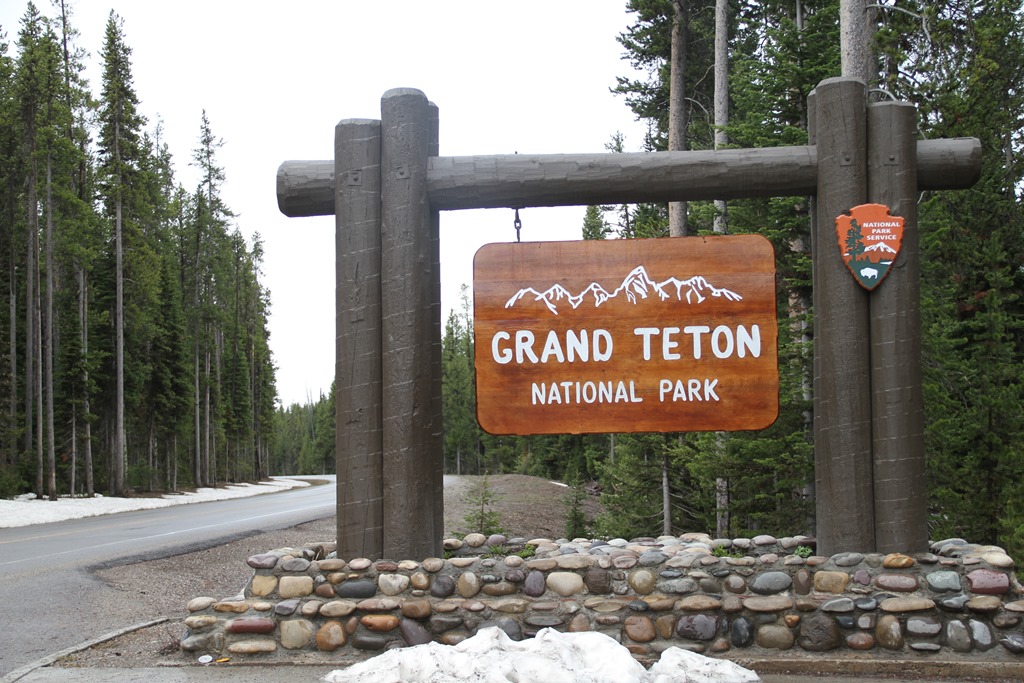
(149,590)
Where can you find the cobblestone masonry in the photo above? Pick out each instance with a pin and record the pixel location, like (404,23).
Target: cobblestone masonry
(702,594)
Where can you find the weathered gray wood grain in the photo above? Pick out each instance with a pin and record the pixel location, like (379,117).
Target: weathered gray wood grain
(897,403)
(304,188)
(842,389)
(358,402)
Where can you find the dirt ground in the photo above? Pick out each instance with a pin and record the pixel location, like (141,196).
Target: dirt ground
(526,506)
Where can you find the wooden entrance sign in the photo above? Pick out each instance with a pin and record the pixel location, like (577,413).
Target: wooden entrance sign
(387,185)
(657,335)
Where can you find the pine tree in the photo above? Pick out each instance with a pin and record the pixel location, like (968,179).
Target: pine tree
(120,128)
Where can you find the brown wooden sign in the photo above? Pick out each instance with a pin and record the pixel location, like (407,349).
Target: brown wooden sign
(661,335)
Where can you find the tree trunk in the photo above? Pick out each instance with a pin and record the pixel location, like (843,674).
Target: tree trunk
(119,432)
(83,316)
(853,37)
(31,260)
(721,222)
(721,96)
(666,499)
(197,460)
(12,334)
(51,457)
(678,121)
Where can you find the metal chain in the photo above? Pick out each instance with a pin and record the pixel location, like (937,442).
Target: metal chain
(517,224)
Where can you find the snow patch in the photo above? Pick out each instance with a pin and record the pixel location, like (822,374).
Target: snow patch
(552,657)
(25,510)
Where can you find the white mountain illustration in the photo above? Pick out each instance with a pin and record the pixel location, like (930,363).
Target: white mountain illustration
(881,246)
(636,286)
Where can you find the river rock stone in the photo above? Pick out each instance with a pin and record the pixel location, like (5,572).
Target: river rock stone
(330,636)
(199,604)
(1013,642)
(943,581)
(901,583)
(906,604)
(770,603)
(294,564)
(201,622)
(535,584)
(416,608)
(433,564)
(847,559)
(957,636)
(643,581)
(442,586)
(262,585)
(359,589)
(697,627)
(369,641)
(831,582)
(698,603)
(392,584)
(380,622)
(263,561)
(818,633)
(677,586)
(741,632)
(838,605)
(954,603)
(414,633)
(988,582)
(897,561)
(775,637)
(923,626)
(296,633)
(338,608)
(889,633)
(598,581)
(286,608)
(802,582)
(565,584)
(981,635)
(253,647)
(770,583)
(860,641)
(250,625)
(984,603)
(665,625)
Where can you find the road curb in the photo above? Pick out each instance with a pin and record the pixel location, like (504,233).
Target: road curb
(25,670)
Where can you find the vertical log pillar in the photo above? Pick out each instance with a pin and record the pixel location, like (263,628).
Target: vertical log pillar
(842,391)
(411,420)
(437,406)
(897,404)
(358,437)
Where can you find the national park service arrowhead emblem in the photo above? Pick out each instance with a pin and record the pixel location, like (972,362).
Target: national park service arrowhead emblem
(869,240)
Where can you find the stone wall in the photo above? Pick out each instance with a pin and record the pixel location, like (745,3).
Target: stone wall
(752,597)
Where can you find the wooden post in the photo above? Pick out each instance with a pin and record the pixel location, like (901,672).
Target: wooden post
(411,420)
(842,389)
(897,404)
(436,355)
(358,437)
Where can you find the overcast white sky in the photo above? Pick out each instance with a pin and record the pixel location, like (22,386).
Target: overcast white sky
(530,76)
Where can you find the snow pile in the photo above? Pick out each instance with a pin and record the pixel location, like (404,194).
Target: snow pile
(552,657)
(25,510)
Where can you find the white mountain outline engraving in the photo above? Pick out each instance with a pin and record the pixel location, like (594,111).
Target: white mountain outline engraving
(636,286)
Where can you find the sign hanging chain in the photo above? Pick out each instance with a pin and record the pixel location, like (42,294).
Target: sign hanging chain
(517,224)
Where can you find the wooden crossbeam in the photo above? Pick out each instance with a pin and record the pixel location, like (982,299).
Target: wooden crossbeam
(306,188)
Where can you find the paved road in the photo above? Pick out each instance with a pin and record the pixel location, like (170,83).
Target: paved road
(43,567)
